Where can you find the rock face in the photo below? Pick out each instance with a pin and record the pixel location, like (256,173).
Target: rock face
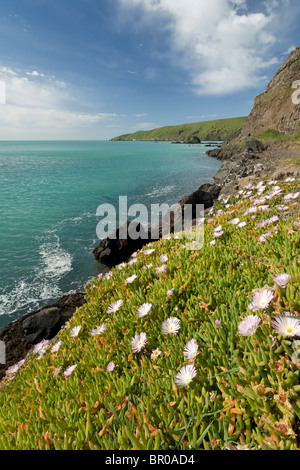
(116,249)
(20,336)
(275,109)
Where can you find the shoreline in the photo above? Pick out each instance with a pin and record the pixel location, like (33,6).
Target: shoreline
(238,169)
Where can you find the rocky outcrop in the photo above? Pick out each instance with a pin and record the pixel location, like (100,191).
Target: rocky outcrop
(275,109)
(117,248)
(20,336)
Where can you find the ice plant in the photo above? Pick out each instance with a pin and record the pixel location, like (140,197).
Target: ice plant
(263,237)
(114,307)
(171,326)
(110,367)
(144,310)
(234,221)
(138,342)
(98,330)
(286,324)
(282,279)
(148,252)
(218,234)
(161,269)
(241,224)
(69,371)
(130,279)
(261,299)
(163,258)
(185,375)
(155,354)
(75,331)
(191,350)
(56,347)
(249,325)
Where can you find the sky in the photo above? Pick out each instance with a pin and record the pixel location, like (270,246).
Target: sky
(95,69)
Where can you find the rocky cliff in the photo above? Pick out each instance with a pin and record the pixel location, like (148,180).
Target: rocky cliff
(278,108)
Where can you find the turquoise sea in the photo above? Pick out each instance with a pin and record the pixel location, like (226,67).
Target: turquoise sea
(49,194)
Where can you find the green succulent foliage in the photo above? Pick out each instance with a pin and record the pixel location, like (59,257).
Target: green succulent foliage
(246,391)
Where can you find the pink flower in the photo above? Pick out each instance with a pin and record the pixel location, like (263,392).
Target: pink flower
(249,325)
(282,279)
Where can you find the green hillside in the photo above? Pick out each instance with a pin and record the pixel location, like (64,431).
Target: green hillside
(221,129)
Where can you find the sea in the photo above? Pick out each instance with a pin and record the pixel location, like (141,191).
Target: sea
(49,195)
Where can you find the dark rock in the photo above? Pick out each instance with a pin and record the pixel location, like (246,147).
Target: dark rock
(20,336)
(116,248)
(193,140)
(253,145)
(41,324)
(206,195)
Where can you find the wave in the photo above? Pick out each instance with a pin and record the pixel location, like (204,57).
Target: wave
(157,192)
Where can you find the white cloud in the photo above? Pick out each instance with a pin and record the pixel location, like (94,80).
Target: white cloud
(219,43)
(41,107)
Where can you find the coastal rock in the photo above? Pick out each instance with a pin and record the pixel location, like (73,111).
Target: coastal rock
(275,108)
(206,195)
(254,145)
(20,336)
(116,248)
(193,140)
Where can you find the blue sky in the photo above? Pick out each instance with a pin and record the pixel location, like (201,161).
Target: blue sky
(94,69)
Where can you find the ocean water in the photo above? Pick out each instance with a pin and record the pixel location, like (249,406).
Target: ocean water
(49,195)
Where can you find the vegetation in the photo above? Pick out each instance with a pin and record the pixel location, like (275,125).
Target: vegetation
(221,129)
(100,385)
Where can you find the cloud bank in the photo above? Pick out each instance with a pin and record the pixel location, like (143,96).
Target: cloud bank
(223,47)
(37,106)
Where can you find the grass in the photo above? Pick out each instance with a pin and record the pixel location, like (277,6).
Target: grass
(246,391)
(221,129)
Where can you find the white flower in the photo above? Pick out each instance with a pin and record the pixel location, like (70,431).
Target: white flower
(171,326)
(263,237)
(121,266)
(261,299)
(287,324)
(234,221)
(161,269)
(249,325)
(56,347)
(41,347)
(115,306)
(98,330)
(138,342)
(185,375)
(155,354)
(69,371)
(191,350)
(282,279)
(163,258)
(75,331)
(144,310)
(217,234)
(241,224)
(148,252)
(130,279)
